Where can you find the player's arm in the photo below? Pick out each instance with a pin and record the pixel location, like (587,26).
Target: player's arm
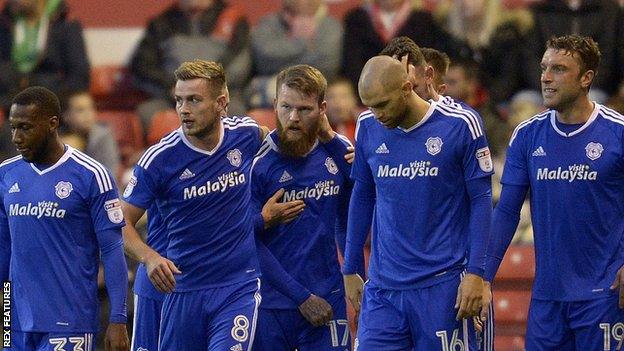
(159,269)
(116,278)
(5,244)
(469,298)
(361,207)
(504,224)
(315,309)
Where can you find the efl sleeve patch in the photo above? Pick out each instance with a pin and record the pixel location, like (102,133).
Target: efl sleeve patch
(485,159)
(113,209)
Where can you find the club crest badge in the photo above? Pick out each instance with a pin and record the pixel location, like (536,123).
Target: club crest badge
(235,157)
(331,165)
(63,189)
(434,145)
(594,151)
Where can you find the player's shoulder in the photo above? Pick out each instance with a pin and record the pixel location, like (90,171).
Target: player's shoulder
(460,114)
(366,120)
(531,125)
(92,170)
(267,154)
(160,150)
(10,163)
(239,122)
(611,116)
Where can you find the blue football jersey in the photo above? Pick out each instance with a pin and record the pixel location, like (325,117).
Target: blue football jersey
(157,240)
(305,247)
(53,216)
(203,198)
(576,182)
(420,227)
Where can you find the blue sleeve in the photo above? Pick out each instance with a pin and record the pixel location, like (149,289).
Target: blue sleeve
(5,241)
(516,170)
(105,208)
(477,160)
(480,193)
(276,275)
(361,208)
(504,223)
(360,170)
(337,149)
(258,198)
(341,217)
(115,272)
(142,188)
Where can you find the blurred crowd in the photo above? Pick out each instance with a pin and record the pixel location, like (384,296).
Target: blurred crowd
(493,45)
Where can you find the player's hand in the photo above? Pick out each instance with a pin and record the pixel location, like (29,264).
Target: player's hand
(275,212)
(116,338)
(350,155)
(160,272)
(469,296)
(618,283)
(316,310)
(325,133)
(485,309)
(354,287)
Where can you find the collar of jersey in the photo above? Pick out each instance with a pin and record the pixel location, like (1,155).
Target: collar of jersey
(61,160)
(202,151)
(592,117)
(432,106)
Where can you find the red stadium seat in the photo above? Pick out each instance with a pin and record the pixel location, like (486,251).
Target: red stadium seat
(161,124)
(508,343)
(511,306)
(264,117)
(128,132)
(518,264)
(105,79)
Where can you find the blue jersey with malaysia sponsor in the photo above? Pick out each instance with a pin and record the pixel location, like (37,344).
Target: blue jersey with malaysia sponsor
(576,182)
(203,198)
(53,216)
(421,221)
(157,240)
(305,247)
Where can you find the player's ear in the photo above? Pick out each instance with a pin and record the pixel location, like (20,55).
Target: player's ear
(407,87)
(429,73)
(442,88)
(53,123)
(323,107)
(587,78)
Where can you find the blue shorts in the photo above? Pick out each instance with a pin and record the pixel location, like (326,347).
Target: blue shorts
(579,325)
(485,340)
(418,319)
(146,323)
(28,341)
(215,319)
(287,330)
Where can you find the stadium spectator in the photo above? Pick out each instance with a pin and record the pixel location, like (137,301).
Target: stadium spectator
(462,83)
(188,30)
(301,33)
(370,27)
(342,107)
(598,19)
(80,123)
(39,45)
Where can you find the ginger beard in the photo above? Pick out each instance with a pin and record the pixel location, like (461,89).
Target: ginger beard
(295,139)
